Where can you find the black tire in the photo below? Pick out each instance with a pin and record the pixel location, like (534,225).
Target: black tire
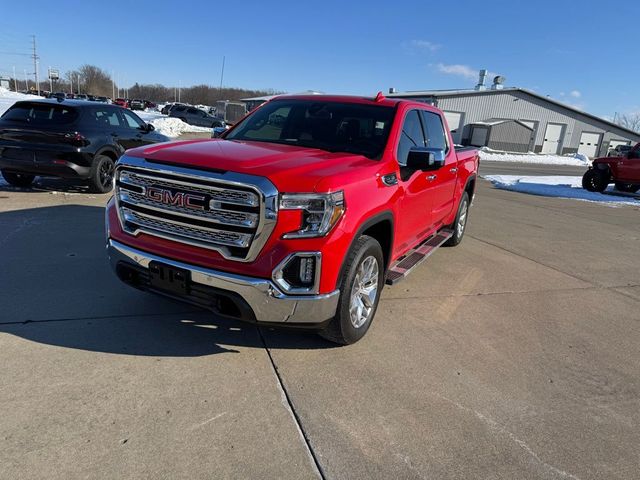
(342,329)
(101,177)
(21,180)
(627,187)
(595,181)
(459,226)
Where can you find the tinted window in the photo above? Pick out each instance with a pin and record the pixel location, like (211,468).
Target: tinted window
(434,131)
(178,109)
(193,111)
(41,114)
(106,117)
(411,136)
(333,126)
(131,120)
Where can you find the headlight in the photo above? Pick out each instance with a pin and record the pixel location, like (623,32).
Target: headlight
(320,212)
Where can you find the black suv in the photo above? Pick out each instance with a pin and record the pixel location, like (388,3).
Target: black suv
(195,116)
(69,139)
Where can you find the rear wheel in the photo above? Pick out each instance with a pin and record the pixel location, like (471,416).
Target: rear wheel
(22,180)
(627,187)
(101,178)
(360,288)
(460,224)
(595,181)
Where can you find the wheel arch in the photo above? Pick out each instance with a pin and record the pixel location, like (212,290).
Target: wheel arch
(380,227)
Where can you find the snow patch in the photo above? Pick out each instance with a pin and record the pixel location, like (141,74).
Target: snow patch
(577,159)
(174,127)
(559,186)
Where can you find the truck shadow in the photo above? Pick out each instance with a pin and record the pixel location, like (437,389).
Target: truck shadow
(58,289)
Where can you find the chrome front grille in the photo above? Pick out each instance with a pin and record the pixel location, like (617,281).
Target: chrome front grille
(228,212)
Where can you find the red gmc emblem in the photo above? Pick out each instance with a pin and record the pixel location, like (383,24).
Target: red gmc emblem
(178,199)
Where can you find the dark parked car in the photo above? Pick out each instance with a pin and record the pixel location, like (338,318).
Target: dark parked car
(136,104)
(70,139)
(60,95)
(102,99)
(195,116)
(167,108)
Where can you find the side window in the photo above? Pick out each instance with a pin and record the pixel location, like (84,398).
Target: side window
(106,117)
(411,136)
(131,121)
(434,131)
(192,111)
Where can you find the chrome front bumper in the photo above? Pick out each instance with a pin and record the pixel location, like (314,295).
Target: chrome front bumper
(268,303)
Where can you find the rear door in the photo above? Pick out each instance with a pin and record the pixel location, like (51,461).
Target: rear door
(415,212)
(442,187)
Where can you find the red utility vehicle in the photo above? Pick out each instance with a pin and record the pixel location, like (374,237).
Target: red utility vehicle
(298,215)
(623,171)
(122,102)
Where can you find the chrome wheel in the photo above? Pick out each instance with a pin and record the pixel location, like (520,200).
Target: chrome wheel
(364,292)
(462,219)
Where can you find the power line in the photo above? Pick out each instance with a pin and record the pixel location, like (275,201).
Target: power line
(35,64)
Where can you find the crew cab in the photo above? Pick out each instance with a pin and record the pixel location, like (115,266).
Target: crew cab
(298,215)
(622,170)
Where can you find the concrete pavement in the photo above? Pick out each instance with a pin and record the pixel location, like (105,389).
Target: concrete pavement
(513,355)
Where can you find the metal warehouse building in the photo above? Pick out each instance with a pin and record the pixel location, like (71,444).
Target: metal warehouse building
(518,120)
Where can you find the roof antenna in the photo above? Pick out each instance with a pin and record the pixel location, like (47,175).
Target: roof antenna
(379,97)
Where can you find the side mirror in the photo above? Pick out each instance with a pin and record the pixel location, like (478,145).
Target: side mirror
(150,127)
(217,132)
(425,159)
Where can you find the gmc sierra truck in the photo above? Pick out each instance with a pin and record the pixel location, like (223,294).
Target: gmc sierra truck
(298,215)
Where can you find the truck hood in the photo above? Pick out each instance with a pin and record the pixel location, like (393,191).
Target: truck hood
(289,167)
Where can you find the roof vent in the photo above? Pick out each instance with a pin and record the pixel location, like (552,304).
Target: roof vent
(498,82)
(483,76)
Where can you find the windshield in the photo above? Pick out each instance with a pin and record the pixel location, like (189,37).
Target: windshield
(332,126)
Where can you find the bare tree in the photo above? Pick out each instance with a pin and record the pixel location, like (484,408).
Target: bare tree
(630,121)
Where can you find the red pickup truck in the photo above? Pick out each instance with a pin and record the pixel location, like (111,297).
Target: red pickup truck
(298,215)
(623,171)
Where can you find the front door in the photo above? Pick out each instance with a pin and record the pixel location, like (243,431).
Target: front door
(629,167)
(132,130)
(415,218)
(552,138)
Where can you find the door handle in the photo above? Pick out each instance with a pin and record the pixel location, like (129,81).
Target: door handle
(431,178)
(114,135)
(454,170)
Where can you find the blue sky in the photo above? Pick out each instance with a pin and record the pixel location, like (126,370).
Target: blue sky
(577,52)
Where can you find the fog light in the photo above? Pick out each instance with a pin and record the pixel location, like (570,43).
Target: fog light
(306,270)
(299,273)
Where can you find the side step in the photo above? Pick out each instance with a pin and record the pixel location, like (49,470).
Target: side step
(415,257)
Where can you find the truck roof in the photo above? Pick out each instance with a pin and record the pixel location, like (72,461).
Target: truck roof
(389,102)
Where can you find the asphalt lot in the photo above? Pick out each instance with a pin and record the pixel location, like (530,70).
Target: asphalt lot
(512,356)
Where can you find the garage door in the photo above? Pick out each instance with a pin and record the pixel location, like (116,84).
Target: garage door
(552,138)
(589,143)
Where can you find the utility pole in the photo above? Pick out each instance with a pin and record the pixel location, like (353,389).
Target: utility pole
(222,73)
(26,79)
(78,79)
(35,64)
(113,86)
(179,88)
(15,80)
(50,81)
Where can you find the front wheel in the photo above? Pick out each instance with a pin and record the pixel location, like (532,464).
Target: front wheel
(627,187)
(21,180)
(594,181)
(360,288)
